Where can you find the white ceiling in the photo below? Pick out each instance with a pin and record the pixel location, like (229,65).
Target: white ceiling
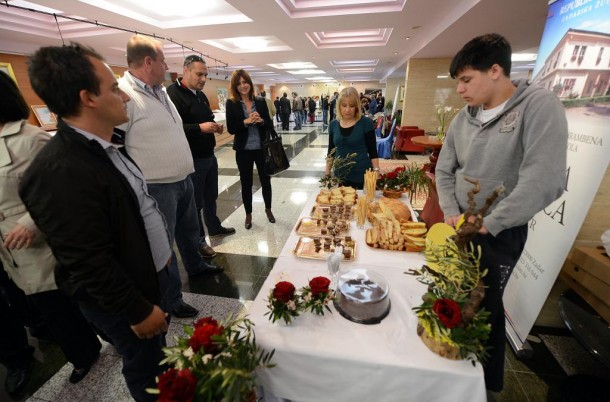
(346,40)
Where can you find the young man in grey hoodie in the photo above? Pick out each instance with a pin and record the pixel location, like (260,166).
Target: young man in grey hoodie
(511,134)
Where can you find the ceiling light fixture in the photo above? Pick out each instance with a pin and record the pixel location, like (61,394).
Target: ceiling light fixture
(250,43)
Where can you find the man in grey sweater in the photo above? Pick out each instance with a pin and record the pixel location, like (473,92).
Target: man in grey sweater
(511,134)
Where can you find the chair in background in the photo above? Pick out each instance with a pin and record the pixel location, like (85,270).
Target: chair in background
(384,145)
(403,139)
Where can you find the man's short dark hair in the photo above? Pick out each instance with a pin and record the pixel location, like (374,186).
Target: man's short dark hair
(12,105)
(59,73)
(481,53)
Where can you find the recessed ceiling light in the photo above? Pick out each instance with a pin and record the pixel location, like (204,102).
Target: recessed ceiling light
(408,37)
(250,43)
(395,52)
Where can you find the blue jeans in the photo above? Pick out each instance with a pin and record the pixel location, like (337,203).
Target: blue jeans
(205,184)
(324,116)
(177,204)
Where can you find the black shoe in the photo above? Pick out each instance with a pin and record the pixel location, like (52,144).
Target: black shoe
(205,268)
(223,232)
(206,251)
(270,215)
(80,373)
(16,379)
(183,310)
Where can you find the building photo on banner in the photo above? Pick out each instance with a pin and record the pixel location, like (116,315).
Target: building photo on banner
(574,63)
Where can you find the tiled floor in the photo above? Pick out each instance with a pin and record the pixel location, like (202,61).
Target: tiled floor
(249,255)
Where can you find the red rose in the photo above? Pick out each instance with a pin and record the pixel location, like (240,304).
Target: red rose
(400,169)
(283,291)
(202,337)
(448,311)
(177,386)
(392,175)
(319,285)
(206,320)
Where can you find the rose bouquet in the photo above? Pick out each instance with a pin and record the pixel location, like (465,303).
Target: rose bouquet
(393,180)
(317,295)
(450,320)
(284,302)
(213,362)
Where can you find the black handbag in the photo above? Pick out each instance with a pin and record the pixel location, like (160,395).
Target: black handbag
(276,160)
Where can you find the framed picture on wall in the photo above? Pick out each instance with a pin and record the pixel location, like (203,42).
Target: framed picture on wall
(6,68)
(47,120)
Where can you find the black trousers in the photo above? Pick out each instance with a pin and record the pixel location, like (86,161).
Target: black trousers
(245,163)
(499,256)
(67,326)
(285,121)
(14,348)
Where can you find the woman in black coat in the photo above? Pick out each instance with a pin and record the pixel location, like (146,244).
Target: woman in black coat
(248,119)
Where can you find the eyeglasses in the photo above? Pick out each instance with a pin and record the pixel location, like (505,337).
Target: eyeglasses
(192,58)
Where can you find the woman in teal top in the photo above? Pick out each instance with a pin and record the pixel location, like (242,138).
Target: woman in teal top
(352,133)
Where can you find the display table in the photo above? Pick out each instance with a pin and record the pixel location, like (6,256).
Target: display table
(429,141)
(328,358)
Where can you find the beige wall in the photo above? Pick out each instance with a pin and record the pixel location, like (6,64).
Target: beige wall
(423,90)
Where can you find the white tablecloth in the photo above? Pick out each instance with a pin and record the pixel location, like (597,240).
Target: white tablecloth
(329,358)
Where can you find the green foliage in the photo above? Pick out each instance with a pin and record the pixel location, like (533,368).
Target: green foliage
(340,167)
(229,374)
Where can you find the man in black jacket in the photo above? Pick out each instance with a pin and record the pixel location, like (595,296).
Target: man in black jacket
(200,129)
(91,202)
(285,111)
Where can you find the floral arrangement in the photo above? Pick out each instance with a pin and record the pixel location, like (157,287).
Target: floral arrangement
(444,115)
(213,363)
(393,180)
(410,177)
(317,295)
(450,313)
(339,168)
(285,303)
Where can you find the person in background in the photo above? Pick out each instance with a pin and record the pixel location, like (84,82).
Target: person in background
(325,106)
(200,129)
(311,104)
(156,141)
(24,253)
(285,110)
(380,102)
(352,133)
(511,134)
(248,119)
(270,105)
(297,109)
(333,107)
(276,104)
(89,199)
(373,105)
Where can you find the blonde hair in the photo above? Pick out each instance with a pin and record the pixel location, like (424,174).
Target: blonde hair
(139,47)
(352,97)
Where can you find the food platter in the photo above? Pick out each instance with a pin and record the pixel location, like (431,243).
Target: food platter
(322,227)
(318,247)
(324,211)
